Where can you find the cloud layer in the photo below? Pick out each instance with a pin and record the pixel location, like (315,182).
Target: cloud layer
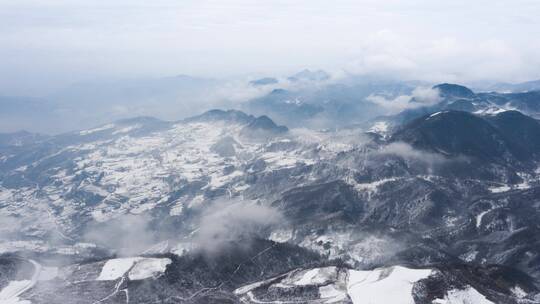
(47,43)
(232,224)
(420,97)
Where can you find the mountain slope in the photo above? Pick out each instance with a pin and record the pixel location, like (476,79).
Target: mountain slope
(505,137)
(226,207)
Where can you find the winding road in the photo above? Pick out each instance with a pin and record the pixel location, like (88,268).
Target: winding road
(11,293)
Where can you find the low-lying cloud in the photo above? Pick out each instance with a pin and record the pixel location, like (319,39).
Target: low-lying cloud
(420,97)
(9,226)
(128,234)
(231,224)
(407,152)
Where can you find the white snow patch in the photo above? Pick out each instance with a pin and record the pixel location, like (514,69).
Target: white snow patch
(103,128)
(5,194)
(218,181)
(336,240)
(196,201)
(525,184)
(159,248)
(434,114)
(116,268)
(480,216)
(95,190)
(127,129)
(349,247)
(143,207)
(182,248)
(369,249)
(316,276)
(177,209)
(373,185)
(464,296)
(379,127)
(47,273)
(34,245)
(385,285)
(451,221)
(490,111)
(21,168)
(519,292)
(296,101)
(241,188)
(148,267)
(8,294)
(500,189)
(100,215)
(139,268)
(371,188)
(469,256)
(331,294)
(280,160)
(250,287)
(281,236)
(15,300)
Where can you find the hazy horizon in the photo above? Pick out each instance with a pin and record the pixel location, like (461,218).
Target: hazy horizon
(47,45)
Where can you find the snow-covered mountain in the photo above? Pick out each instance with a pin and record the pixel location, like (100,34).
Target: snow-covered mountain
(226,207)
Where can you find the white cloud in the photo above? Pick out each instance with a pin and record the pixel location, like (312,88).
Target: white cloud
(450,58)
(48,41)
(405,150)
(229,223)
(420,97)
(128,234)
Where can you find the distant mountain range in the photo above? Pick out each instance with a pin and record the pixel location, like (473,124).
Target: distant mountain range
(459,98)
(312,98)
(511,87)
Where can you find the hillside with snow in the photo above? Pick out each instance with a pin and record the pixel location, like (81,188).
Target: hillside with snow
(226,207)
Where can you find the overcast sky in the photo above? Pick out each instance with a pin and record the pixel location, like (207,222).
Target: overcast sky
(46,44)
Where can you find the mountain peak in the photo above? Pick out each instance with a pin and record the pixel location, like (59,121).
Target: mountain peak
(308,75)
(217,115)
(454,133)
(263,81)
(278,92)
(507,136)
(265,123)
(262,128)
(454,90)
